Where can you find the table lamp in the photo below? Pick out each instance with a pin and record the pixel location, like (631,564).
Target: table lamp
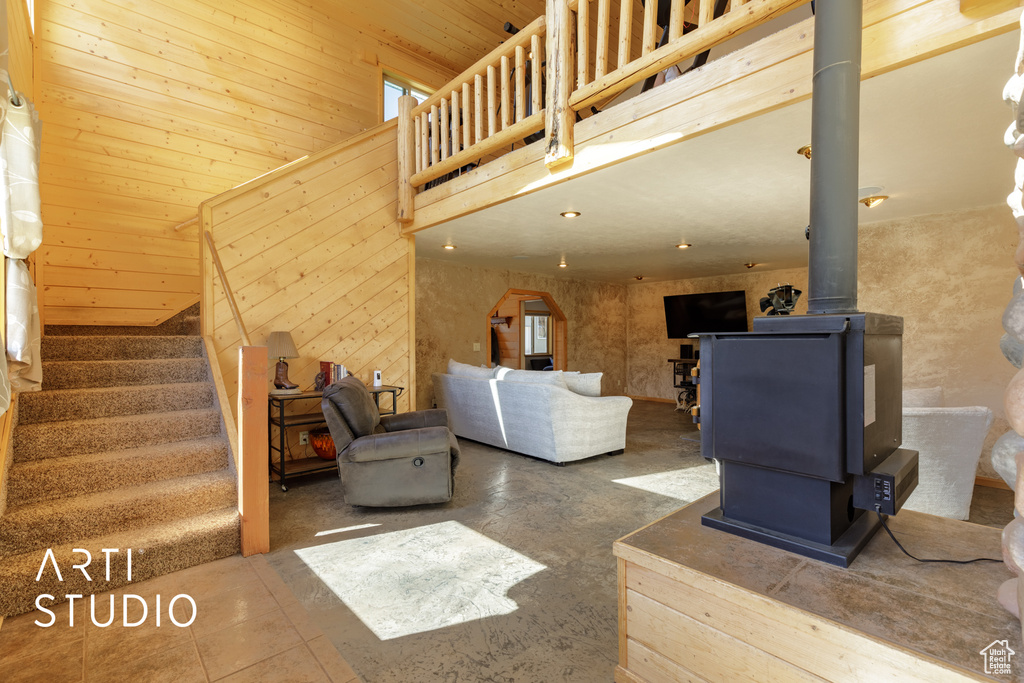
(281,346)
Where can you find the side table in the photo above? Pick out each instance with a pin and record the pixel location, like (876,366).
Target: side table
(386,389)
(276,418)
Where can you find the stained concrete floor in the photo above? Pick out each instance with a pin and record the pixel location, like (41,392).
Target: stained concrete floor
(534,598)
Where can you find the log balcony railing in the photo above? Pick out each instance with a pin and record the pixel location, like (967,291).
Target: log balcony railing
(542,76)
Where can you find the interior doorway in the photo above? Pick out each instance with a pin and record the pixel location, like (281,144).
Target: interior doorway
(527,331)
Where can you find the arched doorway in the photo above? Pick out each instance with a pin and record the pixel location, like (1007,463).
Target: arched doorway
(527,327)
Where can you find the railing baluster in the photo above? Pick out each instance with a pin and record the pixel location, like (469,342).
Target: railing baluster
(435,134)
(675,23)
(466,140)
(707,13)
(625,32)
(520,83)
(582,43)
(506,94)
(650,26)
(492,104)
(424,141)
(456,128)
(536,59)
(445,148)
(478,118)
(419,145)
(604,8)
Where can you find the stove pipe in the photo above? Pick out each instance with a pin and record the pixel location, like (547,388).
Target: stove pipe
(835,136)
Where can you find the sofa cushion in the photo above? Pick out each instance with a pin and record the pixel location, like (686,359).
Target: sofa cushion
(922,398)
(584,384)
(554,378)
(465,370)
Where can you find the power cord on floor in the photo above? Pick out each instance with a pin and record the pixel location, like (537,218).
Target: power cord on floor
(885,526)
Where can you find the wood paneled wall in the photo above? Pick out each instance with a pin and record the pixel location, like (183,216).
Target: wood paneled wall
(315,249)
(151,107)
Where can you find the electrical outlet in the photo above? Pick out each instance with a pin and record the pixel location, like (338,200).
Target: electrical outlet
(476,346)
(303,438)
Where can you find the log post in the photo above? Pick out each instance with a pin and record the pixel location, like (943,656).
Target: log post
(253,486)
(558,116)
(406,158)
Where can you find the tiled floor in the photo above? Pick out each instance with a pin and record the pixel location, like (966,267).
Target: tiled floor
(248,627)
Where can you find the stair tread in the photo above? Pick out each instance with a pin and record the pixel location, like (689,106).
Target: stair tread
(166,547)
(126,361)
(139,452)
(137,537)
(167,386)
(157,489)
(115,419)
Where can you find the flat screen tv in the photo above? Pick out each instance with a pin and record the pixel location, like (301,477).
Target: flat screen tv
(687,314)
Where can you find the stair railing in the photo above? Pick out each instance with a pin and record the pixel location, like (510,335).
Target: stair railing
(227,292)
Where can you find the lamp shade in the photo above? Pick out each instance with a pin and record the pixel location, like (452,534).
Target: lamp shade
(280,345)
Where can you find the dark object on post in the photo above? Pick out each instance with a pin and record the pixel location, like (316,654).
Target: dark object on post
(389,461)
(781,300)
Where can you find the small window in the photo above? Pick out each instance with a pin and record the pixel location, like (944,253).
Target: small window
(395,87)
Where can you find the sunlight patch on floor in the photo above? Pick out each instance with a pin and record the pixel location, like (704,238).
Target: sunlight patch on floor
(417,580)
(348,528)
(687,484)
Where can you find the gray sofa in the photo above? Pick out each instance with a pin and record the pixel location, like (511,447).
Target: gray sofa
(534,413)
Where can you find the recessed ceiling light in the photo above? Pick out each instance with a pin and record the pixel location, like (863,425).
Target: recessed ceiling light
(639,277)
(805,150)
(874,200)
(683,246)
(562,264)
(751,265)
(570,214)
(449,247)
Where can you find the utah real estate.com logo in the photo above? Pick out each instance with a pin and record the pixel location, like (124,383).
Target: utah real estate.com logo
(128,600)
(997,658)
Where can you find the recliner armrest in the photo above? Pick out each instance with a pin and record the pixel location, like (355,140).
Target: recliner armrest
(415,420)
(403,444)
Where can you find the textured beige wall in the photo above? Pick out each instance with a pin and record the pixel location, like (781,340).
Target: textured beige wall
(452,303)
(949,276)
(649,373)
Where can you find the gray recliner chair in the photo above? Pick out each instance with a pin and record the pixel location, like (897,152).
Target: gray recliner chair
(389,461)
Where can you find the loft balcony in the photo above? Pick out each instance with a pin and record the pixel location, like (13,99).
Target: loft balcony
(562,97)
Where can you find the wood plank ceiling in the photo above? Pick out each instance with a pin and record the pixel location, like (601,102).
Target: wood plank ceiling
(451,33)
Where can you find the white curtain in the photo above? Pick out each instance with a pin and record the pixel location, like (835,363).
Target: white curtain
(22,230)
(20,215)
(25,368)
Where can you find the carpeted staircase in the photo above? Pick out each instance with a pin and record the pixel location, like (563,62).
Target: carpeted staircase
(123,448)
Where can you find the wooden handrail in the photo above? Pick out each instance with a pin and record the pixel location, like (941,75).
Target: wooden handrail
(185,224)
(506,49)
(227,290)
(713,32)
